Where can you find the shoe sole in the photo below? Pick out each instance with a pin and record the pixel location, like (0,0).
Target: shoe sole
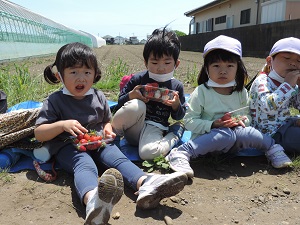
(286,164)
(168,188)
(110,191)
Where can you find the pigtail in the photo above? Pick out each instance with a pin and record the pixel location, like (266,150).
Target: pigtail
(97,75)
(266,69)
(50,76)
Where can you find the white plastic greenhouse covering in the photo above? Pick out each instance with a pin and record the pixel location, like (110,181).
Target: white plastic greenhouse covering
(97,41)
(24,33)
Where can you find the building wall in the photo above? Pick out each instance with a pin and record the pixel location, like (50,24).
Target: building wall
(292,10)
(232,9)
(273,11)
(257,40)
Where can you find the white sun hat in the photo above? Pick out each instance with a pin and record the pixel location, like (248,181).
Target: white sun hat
(289,44)
(223,42)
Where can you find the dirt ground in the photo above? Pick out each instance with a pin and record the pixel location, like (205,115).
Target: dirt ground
(239,190)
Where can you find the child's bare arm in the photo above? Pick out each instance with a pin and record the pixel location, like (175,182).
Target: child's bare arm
(46,132)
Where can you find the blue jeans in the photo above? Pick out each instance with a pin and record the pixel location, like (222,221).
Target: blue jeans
(287,136)
(83,165)
(224,139)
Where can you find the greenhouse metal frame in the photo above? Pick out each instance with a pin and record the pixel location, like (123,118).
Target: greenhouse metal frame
(24,33)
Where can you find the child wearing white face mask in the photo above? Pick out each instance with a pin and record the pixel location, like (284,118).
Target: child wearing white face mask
(275,91)
(214,129)
(143,121)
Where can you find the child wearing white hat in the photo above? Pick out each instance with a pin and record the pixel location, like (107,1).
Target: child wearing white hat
(275,91)
(210,115)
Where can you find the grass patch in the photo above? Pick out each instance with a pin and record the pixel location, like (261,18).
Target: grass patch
(113,75)
(296,163)
(191,76)
(19,86)
(5,177)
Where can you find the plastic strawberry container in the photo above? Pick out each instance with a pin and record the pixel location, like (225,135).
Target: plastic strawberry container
(156,93)
(90,142)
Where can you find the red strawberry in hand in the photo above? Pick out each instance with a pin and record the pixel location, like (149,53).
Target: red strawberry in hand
(80,136)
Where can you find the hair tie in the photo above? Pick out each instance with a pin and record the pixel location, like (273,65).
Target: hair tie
(54,70)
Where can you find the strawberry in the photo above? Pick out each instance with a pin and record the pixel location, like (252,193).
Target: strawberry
(165,91)
(150,94)
(98,138)
(147,88)
(83,141)
(81,148)
(86,136)
(93,138)
(79,136)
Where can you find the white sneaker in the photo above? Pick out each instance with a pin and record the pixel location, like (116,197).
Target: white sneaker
(179,161)
(277,157)
(104,197)
(157,187)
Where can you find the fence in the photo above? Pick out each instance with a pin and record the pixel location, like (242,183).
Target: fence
(256,40)
(24,33)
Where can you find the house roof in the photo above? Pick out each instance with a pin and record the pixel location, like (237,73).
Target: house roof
(204,7)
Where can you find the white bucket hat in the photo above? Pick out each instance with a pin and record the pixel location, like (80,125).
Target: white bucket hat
(289,44)
(223,42)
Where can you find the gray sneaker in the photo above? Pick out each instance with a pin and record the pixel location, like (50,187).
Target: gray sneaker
(179,161)
(109,192)
(156,187)
(277,157)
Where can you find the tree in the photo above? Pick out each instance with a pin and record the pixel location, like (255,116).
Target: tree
(179,33)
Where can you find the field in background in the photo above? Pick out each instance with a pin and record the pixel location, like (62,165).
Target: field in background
(17,77)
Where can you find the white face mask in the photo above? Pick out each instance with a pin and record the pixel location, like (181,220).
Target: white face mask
(274,75)
(161,77)
(65,91)
(211,83)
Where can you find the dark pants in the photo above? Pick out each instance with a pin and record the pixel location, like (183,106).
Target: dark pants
(83,165)
(288,136)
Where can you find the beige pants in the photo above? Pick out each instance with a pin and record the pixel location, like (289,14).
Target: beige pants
(152,141)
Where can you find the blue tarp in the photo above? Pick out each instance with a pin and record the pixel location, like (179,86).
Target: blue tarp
(25,161)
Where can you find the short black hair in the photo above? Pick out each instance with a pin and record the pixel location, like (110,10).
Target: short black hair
(162,42)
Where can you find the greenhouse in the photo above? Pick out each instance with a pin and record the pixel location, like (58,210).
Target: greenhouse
(24,33)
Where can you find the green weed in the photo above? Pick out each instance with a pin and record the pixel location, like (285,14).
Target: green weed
(158,163)
(19,86)
(113,75)
(192,76)
(5,176)
(296,163)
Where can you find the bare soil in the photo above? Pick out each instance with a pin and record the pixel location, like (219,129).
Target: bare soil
(239,190)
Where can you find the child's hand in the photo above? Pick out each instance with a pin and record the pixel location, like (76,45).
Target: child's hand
(136,94)
(108,133)
(224,123)
(241,123)
(175,102)
(74,127)
(292,77)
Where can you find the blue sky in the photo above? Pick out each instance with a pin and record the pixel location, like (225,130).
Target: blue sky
(116,17)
